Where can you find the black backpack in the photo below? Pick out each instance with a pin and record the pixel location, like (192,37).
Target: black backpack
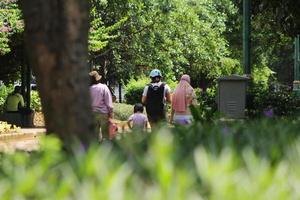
(155,100)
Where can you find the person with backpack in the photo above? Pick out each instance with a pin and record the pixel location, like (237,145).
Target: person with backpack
(155,96)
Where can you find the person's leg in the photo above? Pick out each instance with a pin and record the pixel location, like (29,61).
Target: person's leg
(152,121)
(97,123)
(156,120)
(104,125)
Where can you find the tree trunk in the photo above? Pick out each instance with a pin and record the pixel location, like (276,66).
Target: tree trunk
(56,35)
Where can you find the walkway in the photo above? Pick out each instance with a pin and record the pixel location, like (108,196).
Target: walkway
(26,139)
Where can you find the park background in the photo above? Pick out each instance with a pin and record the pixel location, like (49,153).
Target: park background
(211,159)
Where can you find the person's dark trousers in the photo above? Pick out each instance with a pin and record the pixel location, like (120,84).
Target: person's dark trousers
(27,117)
(154,120)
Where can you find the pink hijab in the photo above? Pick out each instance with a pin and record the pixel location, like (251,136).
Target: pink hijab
(182,91)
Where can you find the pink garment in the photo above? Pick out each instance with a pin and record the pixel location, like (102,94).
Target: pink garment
(101,98)
(182,95)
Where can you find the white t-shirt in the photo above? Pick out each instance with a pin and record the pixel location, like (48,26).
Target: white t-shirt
(138,120)
(167,89)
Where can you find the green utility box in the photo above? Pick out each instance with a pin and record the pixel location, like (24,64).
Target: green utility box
(231,97)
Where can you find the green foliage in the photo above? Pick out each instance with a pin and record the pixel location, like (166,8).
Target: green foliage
(175,36)
(271,44)
(172,84)
(269,139)
(122,111)
(10,23)
(35,101)
(134,89)
(206,110)
(261,76)
(241,160)
(230,66)
(4,92)
(99,34)
(279,98)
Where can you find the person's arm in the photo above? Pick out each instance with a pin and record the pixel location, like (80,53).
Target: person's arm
(129,122)
(144,96)
(144,99)
(168,93)
(21,101)
(168,97)
(146,124)
(172,116)
(108,102)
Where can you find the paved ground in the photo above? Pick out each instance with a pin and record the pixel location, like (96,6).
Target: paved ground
(26,139)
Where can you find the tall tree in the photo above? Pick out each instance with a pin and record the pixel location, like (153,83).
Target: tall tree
(11,40)
(56,35)
(177,36)
(274,24)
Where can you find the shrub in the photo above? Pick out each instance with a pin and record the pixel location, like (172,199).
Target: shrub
(207,108)
(35,101)
(201,161)
(280,98)
(260,98)
(122,111)
(134,90)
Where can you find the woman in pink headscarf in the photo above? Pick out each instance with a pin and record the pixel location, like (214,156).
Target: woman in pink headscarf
(182,98)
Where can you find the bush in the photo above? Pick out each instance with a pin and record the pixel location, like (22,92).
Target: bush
(256,160)
(134,90)
(35,101)
(277,97)
(122,111)
(207,108)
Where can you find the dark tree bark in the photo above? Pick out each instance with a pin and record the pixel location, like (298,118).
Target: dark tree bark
(56,35)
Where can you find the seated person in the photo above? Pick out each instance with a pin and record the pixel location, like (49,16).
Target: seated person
(14,101)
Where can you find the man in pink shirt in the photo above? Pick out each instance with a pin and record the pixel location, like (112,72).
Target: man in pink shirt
(101,104)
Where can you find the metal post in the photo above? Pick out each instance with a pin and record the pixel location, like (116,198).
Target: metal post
(247,36)
(297,56)
(295,60)
(120,92)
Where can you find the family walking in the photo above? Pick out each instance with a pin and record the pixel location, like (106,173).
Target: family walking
(155,96)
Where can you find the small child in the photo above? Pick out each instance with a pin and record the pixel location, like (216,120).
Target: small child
(138,120)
